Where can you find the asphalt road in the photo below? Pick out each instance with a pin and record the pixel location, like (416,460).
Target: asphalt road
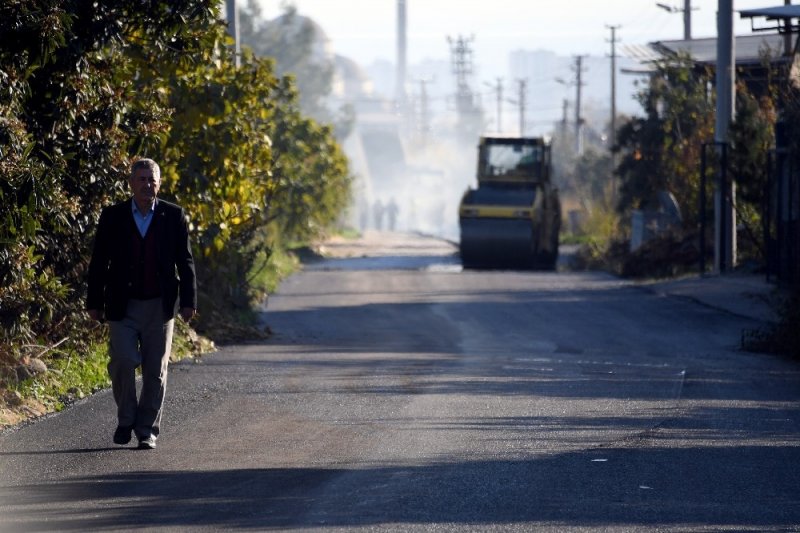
(402,394)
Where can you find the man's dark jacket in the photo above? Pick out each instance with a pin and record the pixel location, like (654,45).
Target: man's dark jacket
(112,270)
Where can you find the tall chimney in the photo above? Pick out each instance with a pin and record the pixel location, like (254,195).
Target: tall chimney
(400,79)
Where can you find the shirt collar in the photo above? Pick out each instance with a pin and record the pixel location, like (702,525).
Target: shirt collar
(135,208)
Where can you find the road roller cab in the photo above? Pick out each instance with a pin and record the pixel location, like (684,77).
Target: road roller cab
(513,218)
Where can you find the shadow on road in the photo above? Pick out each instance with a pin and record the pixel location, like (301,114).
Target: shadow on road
(67,452)
(603,487)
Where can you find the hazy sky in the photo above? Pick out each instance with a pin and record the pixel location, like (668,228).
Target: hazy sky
(364,30)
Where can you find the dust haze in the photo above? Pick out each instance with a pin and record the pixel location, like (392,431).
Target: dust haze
(411,185)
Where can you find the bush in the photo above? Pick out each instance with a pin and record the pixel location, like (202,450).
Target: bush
(85,88)
(781,338)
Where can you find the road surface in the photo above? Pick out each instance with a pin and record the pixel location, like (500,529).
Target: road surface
(399,393)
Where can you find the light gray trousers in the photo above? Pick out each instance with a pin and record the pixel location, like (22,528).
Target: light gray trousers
(143,339)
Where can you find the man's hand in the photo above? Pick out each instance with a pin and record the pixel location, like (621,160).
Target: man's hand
(187,313)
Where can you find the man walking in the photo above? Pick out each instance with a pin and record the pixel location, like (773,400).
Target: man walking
(140,245)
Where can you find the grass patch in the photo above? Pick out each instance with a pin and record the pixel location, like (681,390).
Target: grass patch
(69,376)
(268,271)
(571,238)
(72,374)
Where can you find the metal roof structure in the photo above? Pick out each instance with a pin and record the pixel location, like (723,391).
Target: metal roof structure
(778,12)
(782,15)
(749,49)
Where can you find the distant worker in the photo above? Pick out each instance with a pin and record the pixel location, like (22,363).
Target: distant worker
(391,213)
(377,212)
(363,214)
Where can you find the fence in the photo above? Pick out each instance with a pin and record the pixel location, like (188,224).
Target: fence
(782,218)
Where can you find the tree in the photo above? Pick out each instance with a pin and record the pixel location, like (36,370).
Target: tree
(84,88)
(294,43)
(751,139)
(242,158)
(71,117)
(661,150)
(297,45)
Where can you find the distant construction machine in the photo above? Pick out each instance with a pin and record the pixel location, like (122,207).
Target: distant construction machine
(512,220)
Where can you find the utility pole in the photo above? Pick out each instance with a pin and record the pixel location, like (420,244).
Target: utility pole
(787,36)
(400,73)
(578,83)
(687,20)
(424,110)
(521,103)
(578,119)
(521,100)
(613,126)
(687,16)
(498,89)
(724,196)
(461,58)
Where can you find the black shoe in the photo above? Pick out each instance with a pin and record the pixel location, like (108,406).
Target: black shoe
(148,443)
(123,434)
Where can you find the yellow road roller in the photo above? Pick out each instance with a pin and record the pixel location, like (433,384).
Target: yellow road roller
(512,220)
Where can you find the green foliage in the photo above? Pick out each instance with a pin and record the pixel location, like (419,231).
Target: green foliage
(784,337)
(294,43)
(312,184)
(789,98)
(247,165)
(601,231)
(86,87)
(66,103)
(216,164)
(72,114)
(751,139)
(269,268)
(290,41)
(661,150)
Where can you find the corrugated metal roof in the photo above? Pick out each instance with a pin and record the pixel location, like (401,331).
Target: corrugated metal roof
(640,52)
(748,48)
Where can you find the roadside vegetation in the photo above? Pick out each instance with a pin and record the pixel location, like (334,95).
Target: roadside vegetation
(660,152)
(84,89)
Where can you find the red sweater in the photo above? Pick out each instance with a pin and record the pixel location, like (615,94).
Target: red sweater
(144,284)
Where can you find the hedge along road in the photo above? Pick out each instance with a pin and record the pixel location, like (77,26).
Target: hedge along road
(400,393)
